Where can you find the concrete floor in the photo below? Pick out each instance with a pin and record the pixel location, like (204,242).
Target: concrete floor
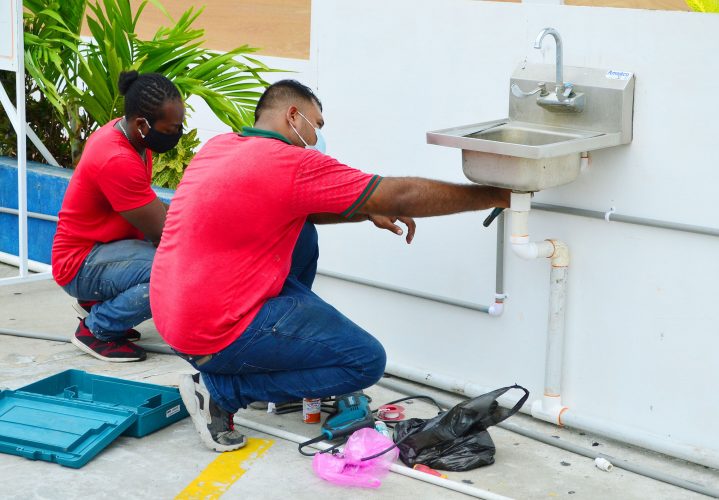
(163,465)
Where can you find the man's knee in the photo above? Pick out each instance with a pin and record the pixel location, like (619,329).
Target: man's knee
(376,363)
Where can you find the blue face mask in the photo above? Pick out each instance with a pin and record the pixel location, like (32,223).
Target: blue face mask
(320,145)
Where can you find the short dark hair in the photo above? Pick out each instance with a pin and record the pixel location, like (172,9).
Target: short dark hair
(285,90)
(146,93)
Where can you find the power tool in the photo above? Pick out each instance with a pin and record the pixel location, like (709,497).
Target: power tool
(353,413)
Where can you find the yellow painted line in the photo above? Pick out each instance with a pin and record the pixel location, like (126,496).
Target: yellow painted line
(222,473)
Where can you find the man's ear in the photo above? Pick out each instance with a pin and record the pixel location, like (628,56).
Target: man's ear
(291,112)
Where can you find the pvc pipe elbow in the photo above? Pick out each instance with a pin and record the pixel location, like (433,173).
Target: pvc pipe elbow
(532,250)
(560,253)
(497,308)
(549,409)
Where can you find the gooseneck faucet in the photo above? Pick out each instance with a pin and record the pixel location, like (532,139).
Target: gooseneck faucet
(564,98)
(558,43)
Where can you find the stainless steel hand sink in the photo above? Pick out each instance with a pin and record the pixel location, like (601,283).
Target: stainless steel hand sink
(520,155)
(539,146)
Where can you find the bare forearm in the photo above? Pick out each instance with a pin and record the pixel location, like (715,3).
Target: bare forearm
(149,219)
(417,197)
(334,218)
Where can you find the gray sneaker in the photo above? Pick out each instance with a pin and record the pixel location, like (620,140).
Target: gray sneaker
(215,425)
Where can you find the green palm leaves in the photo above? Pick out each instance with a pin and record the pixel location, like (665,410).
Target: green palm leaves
(78,76)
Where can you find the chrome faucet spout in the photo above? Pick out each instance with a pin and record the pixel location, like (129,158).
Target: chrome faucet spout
(558,44)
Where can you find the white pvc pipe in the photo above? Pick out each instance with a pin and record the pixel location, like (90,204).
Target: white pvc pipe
(549,407)
(396,468)
(570,418)
(630,435)
(521,246)
(555,332)
(405,389)
(447,383)
(639,437)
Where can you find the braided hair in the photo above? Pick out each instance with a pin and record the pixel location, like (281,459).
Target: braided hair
(146,93)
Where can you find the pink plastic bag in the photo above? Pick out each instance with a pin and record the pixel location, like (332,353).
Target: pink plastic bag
(348,469)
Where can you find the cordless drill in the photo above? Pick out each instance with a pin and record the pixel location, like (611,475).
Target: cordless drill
(353,413)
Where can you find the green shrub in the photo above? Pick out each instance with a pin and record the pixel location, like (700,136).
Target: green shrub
(72,82)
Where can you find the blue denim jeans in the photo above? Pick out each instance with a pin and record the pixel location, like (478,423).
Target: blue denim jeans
(297,346)
(118,275)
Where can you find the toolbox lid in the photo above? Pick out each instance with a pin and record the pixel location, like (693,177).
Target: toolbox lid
(156,406)
(69,433)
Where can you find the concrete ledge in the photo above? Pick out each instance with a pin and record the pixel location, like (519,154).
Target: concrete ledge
(46,187)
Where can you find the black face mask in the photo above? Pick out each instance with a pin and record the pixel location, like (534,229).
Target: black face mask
(160,142)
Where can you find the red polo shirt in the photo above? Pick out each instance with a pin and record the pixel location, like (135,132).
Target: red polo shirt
(231,229)
(110,178)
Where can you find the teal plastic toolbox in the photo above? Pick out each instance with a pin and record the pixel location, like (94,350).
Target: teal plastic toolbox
(70,417)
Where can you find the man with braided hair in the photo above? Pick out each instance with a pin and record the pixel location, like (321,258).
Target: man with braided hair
(111,219)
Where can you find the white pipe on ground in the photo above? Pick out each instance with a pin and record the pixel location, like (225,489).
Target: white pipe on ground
(446,383)
(630,435)
(626,434)
(396,468)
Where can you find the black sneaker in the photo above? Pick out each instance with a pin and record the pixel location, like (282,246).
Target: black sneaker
(215,425)
(117,351)
(83,308)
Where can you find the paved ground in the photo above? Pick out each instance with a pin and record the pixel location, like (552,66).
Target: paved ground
(172,463)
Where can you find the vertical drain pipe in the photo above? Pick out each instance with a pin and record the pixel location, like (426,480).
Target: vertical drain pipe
(550,407)
(497,308)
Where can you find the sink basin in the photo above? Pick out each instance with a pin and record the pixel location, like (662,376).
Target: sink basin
(520,155)
(535,148)
(522,135)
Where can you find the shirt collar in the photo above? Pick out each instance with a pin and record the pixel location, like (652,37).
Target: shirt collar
(258,132)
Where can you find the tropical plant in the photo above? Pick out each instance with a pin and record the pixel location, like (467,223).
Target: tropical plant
(168,167)
(77,78)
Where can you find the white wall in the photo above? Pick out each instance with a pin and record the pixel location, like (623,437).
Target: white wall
(642,321)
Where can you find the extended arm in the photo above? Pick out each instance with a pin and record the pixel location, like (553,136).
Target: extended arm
(417,197)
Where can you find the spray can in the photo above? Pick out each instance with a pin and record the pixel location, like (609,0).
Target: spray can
(382,428)
(311,410)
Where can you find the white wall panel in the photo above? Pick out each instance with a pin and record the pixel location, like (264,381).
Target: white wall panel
(642,321)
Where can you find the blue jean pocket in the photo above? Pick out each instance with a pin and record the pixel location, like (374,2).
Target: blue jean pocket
(278,309)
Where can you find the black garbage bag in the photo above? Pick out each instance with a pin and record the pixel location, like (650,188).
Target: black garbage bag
(456,440)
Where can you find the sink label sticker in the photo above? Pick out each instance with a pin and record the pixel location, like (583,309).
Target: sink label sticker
(618,75)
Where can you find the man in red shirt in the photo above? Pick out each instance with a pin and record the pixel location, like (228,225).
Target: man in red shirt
(111,219)
(231,282)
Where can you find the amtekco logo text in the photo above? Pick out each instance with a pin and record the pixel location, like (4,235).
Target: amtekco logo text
(618,75)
